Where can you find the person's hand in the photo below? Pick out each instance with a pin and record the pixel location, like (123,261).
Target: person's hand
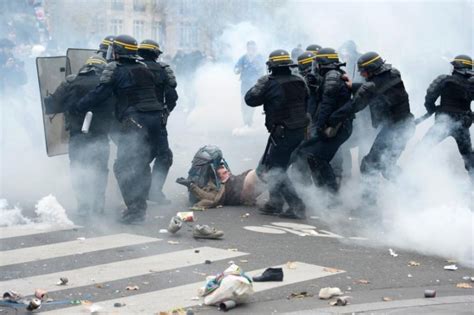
(347,80)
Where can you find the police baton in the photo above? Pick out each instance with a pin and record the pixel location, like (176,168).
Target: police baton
(422,118)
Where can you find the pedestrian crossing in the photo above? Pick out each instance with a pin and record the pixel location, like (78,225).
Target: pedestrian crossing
(150,267)
(16,231)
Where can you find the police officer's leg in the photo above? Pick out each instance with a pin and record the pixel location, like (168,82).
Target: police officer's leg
(161,166)
(285,147)
(264,171)
(463,140)
(397,137)
(437,133)
(132,170)
(99,161)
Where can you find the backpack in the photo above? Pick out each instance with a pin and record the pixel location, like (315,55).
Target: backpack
(204,165)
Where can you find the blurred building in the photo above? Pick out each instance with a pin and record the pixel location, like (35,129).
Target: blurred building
(176,24)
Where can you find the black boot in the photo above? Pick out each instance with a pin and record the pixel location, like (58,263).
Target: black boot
(183,181)
(270,274)
(294,212)
(271,209)
(133,216)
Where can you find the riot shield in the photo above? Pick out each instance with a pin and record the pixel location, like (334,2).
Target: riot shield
(77,57)
(51,72)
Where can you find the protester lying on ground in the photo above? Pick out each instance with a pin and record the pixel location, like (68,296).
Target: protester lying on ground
(232,190)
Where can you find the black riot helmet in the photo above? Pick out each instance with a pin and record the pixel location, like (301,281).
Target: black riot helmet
(370,62)
(125,46)
(149,49)
(462,62)
(305,60)
(279,58)
(326,57)
(313,48)
(105,43)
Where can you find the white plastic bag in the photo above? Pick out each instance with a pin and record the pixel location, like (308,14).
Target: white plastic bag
(232,287)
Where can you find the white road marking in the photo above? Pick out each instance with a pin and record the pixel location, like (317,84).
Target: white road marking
(263,229)
(120,270)
(181,296)
(25,230)
(23,255)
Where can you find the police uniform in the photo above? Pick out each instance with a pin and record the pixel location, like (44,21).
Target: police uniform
(332,122)
(385,94)
(453,115)
(284,98)
(167,96)
(139,113)
(88,152)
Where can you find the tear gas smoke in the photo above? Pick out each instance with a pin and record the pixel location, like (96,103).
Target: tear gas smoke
(426,210)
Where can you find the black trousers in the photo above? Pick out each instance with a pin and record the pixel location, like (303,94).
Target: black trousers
(274,164)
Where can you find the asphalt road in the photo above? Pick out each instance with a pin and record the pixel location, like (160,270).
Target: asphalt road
(359,267)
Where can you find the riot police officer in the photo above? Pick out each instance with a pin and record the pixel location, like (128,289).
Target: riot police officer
(284,98)
(385,94)
(104,45)
(139,113)
(165,82)
(332,122)
(88,152)
(454,115)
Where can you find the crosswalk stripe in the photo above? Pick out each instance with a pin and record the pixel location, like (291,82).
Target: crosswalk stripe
(16,231)
(23,255)
(181,296)
(120,270)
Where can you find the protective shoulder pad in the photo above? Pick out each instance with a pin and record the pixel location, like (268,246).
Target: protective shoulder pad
(332,81)
(395,71)
(438,83)
(108,72)
(70,78)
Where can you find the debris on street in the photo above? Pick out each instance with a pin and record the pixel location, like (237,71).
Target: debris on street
(118,304)
(207,262)
(331,270)
(387,299)
(41,294)
(362,281)
(340,301)
(34,304)
(62,281)
(227,305)
(463,285)
(232,284)
(327,293)
(291,265)
(452,267)
(207,232)
(132,288)
(413,263)
(392,252)
(245,215)
(430,293)
(81,238)
(175,224)
(187,216)
(173,242)
(299,295)
(270,274)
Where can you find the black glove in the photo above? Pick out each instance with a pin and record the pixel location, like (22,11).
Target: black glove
(466,120)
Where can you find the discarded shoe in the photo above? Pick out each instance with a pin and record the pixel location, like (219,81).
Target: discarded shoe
(175,225)
(183,181)
(270,274)
(205,231)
